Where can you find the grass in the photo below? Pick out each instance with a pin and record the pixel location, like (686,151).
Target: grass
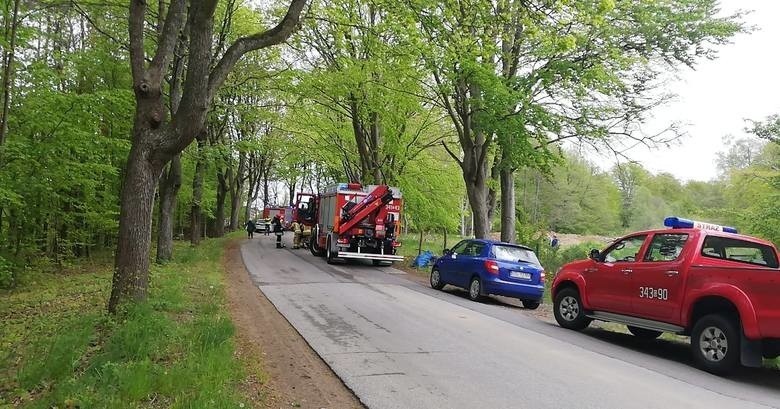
(60,348)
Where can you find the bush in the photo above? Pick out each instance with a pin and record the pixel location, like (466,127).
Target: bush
(554,259)
(7,276)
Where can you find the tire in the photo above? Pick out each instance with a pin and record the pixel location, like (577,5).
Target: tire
(715,343)
(643,333)
(568,310)
(314,247)
(531,305)
(475,289)
(330,258)
(435,280)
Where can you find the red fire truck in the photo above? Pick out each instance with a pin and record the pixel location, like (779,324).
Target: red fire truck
(352,221)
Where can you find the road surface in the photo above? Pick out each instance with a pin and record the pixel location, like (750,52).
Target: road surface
(399,344)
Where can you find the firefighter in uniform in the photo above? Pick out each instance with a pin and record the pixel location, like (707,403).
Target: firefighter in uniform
(278,230)
(296,229)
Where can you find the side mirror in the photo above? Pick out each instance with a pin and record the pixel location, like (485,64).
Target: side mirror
(446,251)
(595,255)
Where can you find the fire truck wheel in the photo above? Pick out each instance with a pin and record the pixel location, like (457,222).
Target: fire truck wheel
(330,257)
(380,263)
(314,248)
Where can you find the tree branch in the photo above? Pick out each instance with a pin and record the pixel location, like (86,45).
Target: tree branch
(243,45)
(168,37)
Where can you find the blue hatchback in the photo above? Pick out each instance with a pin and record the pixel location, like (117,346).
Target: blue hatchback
(490,267)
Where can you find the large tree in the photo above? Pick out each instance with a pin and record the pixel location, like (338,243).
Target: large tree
(157,138)
(518,77)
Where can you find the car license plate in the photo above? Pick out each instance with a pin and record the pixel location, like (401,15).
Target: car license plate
(521,275)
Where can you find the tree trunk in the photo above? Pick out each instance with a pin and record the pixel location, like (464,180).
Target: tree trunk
(265,189)
(222,191)
(170,183)
(236,191)
(475,176)
(508,230)
(419,245)
(197,193)
(8,61)
(492,192)
(131,271)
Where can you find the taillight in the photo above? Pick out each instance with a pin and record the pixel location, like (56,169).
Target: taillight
(343,241)
(542,276)
(491,267)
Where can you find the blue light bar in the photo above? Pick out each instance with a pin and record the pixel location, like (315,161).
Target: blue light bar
(680,223)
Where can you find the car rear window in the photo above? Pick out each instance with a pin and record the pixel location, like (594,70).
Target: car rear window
(515,254)
(740,251)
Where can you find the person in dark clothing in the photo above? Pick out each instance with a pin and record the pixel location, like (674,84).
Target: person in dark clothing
(278,230)
(250,228)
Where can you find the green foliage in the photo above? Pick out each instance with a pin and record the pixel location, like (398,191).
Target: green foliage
(175,350)
(7,275)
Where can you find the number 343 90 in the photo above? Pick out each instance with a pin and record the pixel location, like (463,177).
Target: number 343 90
(654,293)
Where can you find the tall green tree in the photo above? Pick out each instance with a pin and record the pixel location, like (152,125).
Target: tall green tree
(517,77)
(156,139)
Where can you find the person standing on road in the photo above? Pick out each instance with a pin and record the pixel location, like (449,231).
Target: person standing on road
(250,228)
(295,227)
(267,222)
(278,230)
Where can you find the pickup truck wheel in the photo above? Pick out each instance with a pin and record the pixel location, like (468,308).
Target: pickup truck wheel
(531,305)
(644,333)
(568,310)
(715,344)
(436,282)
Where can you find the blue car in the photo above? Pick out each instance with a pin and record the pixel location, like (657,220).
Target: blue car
(491,267)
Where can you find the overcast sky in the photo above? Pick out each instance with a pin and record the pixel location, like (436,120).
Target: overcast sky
(715,100)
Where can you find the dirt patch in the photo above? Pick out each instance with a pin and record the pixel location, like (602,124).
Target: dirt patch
(284,371)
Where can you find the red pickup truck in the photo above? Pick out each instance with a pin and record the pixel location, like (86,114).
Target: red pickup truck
(722,289)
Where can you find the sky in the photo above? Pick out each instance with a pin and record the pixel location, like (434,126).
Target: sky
(715,100)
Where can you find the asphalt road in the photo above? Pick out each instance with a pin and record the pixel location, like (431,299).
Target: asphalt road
(398,344)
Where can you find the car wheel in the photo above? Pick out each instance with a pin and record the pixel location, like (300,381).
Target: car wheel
(531,305)
(644,333)
(436,282)
(475,289)
(715,341)
(568,310)
(329,256)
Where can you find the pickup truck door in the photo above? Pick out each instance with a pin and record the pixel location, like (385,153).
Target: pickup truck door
(658,282)
(608,280)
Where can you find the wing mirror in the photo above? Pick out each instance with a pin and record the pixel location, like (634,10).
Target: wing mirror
(595,255)
(446,251)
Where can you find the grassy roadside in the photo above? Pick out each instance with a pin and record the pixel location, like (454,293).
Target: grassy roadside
(60,349)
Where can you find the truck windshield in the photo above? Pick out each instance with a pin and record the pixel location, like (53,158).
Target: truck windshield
(515,254)
(741,251)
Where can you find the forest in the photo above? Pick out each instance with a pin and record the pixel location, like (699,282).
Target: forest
(137,131)
(496,119)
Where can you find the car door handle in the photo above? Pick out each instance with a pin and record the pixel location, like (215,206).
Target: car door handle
(627,271)
(672,273)
(590,270)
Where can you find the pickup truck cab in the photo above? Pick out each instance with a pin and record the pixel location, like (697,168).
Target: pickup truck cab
(695,279)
